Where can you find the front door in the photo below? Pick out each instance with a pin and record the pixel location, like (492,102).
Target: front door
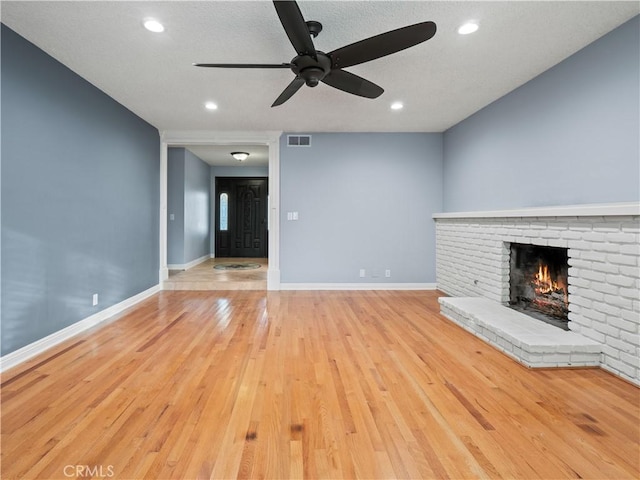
(241,217)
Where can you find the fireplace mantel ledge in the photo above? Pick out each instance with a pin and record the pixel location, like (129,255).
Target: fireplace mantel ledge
(593,210)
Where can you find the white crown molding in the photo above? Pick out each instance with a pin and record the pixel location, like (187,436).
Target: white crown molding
(588,210)
(39,346)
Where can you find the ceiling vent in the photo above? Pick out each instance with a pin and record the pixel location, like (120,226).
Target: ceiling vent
(298,140)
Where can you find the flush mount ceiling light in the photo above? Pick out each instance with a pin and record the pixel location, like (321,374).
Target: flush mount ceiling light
(153,25)
(468,28)
(397,106)
(210,106)
(240,156)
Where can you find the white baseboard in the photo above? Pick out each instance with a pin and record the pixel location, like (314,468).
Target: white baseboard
(357,286)
(28,351)
(187,266)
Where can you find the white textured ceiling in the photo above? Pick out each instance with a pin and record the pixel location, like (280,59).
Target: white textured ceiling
(441,82)
(220,155)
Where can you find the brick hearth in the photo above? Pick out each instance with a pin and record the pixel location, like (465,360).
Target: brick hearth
(525,339)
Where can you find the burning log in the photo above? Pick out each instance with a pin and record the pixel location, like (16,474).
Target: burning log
(550,307)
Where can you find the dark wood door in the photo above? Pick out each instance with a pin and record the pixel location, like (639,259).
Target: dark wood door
(241,217)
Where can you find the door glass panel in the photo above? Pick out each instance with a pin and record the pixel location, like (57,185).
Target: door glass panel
(224,212)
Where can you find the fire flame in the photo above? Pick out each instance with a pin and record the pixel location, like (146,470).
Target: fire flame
(545,284)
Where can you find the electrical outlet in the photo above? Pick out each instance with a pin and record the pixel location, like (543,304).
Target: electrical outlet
(387,273)
(95,299)
(362,273)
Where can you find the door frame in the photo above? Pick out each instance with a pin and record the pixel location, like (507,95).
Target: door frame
(176,138)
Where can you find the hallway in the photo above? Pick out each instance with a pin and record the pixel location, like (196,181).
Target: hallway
(205,277)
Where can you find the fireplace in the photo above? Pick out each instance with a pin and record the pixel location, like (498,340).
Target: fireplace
(538,283)
(474,253)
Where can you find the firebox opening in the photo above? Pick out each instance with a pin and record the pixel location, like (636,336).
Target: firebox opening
(538,283)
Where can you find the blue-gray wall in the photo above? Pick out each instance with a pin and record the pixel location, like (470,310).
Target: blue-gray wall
(569,136)
(239,172)
(80,197)
(364,200)
(175,206)
(244,171)
(197,196)
(188,200)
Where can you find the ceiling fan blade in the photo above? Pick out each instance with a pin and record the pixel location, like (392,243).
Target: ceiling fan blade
(350,83)
(244,65)
(382,45)
(296,28)
(288,92)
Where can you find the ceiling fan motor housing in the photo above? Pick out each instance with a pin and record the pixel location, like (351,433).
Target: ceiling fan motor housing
(310,69)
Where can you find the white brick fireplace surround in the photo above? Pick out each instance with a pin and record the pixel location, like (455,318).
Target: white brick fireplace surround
(603,241)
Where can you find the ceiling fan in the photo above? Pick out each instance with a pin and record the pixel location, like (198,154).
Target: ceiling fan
(312,66)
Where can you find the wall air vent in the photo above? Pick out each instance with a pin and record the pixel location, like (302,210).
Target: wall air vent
(298,140)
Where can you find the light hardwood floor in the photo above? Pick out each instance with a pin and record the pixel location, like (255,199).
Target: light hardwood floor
(278,385)
(205,277)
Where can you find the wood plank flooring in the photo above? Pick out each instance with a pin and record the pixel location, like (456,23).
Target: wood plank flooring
(279,385)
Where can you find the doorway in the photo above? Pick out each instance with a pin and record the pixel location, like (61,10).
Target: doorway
(271,140)
(241,217)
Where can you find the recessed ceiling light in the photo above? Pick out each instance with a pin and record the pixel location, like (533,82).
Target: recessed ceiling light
(397,106)
(153,25)
(468,28)
(210,106)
